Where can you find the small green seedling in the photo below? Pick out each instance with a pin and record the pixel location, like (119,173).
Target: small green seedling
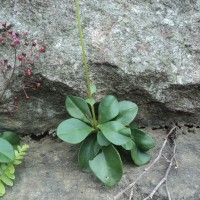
(11,153)
(102,131)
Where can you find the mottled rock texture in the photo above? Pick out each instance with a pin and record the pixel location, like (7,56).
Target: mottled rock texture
(50,171)
(146,51)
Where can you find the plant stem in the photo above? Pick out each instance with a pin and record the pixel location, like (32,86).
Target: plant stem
(85,60)
(11,76)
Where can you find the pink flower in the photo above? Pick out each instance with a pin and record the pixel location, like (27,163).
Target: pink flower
(37,56)
(28,72)
(13,35)
(3,24)
(25,34)
(17,40)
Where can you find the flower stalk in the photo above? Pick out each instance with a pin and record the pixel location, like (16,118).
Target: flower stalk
(85,61)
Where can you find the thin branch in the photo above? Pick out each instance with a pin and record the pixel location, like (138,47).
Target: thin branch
(167,190)
(11,76)
(164,178)
(147,169)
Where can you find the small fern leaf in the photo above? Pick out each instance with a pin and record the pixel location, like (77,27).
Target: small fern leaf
(9,175)
(17,162)
(2,189)
(11,168)
(19,157)
(19,148)
(6,180)
(4,166)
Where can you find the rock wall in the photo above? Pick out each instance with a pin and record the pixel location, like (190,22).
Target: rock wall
(146,51)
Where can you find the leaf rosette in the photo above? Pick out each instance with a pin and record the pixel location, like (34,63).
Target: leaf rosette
(114,127)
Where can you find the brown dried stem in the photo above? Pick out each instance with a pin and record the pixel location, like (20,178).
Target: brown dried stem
(11,76)
(164,179)
(130,186)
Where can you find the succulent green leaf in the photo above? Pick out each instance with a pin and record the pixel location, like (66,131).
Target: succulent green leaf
(139,157)
(73,131)
(2,189)
(107,166)
(143,141)
(127,112)
(78,108)
(97,148)
(102,140)
(129,145)
(93,89)
(6,180)
(108,109)
(87,152)
(90,101)
(6,151)
(115,132)
(11,137)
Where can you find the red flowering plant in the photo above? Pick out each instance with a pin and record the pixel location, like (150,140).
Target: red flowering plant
(18,55)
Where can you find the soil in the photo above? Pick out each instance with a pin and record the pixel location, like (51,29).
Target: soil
(50,171)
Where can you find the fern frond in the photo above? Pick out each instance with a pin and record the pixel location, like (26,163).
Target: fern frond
(7,170)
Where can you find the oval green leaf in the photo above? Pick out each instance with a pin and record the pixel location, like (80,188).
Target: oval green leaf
(78,108)
(11,137)
(6,151)
(6,180)
(108,109)
(102,140)
(139,157)
(87,152)
(90,101)
(143,141)
(133,125)
(115,132)
(93,89)
(73,131)
(127,112)
(107,166)
(129,145)
(2,189)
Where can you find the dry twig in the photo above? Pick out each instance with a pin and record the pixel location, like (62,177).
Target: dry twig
(164,178)
(130,186)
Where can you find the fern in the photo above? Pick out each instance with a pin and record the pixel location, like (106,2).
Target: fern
(7,170)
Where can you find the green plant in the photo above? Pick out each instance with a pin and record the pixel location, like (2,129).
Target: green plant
(10,154)
(112,125)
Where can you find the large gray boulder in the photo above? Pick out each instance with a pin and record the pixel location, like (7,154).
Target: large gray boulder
(143,51)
